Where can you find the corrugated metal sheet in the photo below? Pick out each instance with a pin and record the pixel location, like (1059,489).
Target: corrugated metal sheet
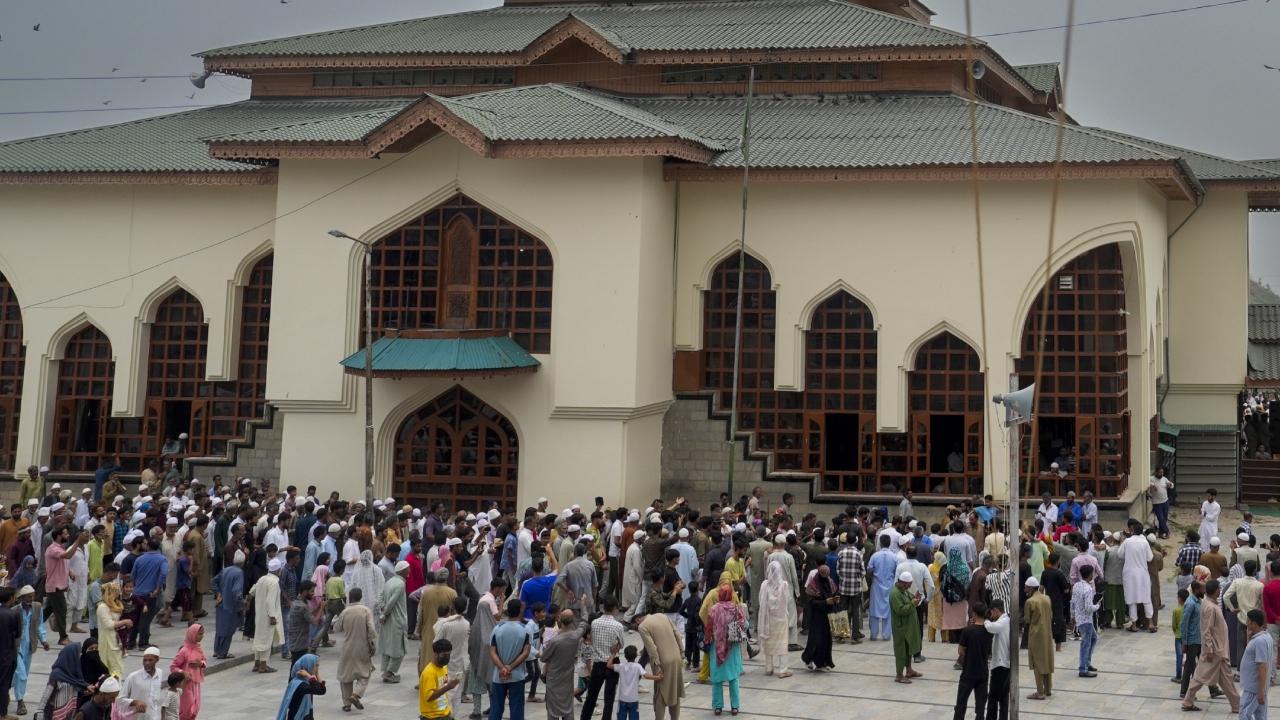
(333,129)
(1269,165)
(1205,166)
(736,24)
(172,143)
(1041,76)
(1264,323)
(443,355)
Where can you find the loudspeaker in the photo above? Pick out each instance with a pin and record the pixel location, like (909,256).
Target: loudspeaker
(1018,405)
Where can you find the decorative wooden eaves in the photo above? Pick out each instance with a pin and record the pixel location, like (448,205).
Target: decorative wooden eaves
(1166,176)
(573,27)
(1264,195)
(265,176)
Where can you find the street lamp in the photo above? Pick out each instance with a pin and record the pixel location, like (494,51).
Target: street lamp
(368,365)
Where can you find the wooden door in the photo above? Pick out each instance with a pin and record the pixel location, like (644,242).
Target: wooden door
(973,448)
(920,447)
(815,445)
(198,435)
(458,276)
(152,429)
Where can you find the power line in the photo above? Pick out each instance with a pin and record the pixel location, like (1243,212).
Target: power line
(1116,19)
(92,77)
(107,109)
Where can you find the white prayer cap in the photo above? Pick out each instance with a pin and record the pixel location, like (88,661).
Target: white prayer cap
(494,514)
(1032,582)
(58,506)
(246,481)
(1106,534)
(565,514)
(253,504)
(377,504)
(132,535)
(417,513)
(912,524)
(648,510)
(740,527)
(196,481)
(779,539)
(471,518)
(482,521)
(1053,466)
(453,541)
(110,685)
(684,533)
(389,501)
(42,512)
(217,501)
(44,468)
(402,566)
(86,491)
(633,517)
(274,565)
(1214,541)
(640,536)
(1071,493)
(56,486)
(146,498)
(119,498)
(153,650)
(311,500)
(1151,537)
(542,500)
(906,577)
(575,528)
(33,501)
(171,521)
(1243,537)
(191,521)
(575,507)
(335,528)
(238,558)
(26,590)
(655,517)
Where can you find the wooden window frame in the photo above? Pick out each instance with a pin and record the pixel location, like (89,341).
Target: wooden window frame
(12,366)
(86,374)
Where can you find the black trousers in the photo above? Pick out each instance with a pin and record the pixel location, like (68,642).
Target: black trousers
(922,613)
(979,690)
(1190,658)
(55,605)
(853,606)
(998,694)
(8,667)
(600,675)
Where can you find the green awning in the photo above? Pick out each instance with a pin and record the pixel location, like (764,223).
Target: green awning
(1166,449)
(1167,429)
(449,354)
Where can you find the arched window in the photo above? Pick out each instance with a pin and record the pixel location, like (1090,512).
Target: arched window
(235,404)
(460,266)
(456,450)
(12,362)
(1083,401)
(945,395)
(86,375)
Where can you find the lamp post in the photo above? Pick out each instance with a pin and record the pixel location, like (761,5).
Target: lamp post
(368,365)
(1019,405)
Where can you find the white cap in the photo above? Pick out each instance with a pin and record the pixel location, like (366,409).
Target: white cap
(633,517)
(471,517)
(655,517)
(274,565)
(182,436)
(377,504)
(1243,537)
(33,501)
(640,536)
(912,524)
(575,507)
(575,528)
(56,486)
(335,528)
(453,541)
(1053,465)
(44,468)
(110,685)
(494,514)
(86,491)
(153,650)
(1071,493)
(58,506)
(1215,541)
(25,590)
(740,527)
(402,565)
(253,504)
(1032,582)
(906,577)
(542,500)
(417,513)
(1151,537)
(171,521)
(246,481)
(684,533)
(42,512)
(191,521)
(389,501)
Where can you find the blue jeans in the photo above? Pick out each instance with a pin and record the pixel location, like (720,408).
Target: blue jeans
(1088,638)
(628,710)
(1162,517)
(1250,708)
(501,693)
(717,694)
(1177,657)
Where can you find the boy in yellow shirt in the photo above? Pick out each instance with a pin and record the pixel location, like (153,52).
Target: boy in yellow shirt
(434,684)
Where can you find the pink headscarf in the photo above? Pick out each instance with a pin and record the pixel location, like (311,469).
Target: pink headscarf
(320,577)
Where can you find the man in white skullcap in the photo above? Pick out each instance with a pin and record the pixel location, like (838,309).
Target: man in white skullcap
(687,567)
(228,594)
(1136,553)
(1040,645)
(394,628)
(142,694)
(267,617)
(905,627)
(99,706)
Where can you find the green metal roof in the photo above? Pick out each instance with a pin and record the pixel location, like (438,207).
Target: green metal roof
(1041,76)
(667,26)
(339,128)
(880,131)
(1264,323)
(171,143)
(1205,166)
(451,356)
(1271,165)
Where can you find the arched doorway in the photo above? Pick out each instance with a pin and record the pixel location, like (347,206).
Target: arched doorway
(457,450)
(945,398)
(86,375)
(12,361)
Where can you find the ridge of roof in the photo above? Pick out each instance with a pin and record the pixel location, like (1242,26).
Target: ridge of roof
(1041,76)
(609,36)
(382,113)
(1204,171)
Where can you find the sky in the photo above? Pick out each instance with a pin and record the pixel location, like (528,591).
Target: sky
(1194,79)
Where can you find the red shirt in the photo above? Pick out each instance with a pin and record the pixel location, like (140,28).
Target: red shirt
(1271,601)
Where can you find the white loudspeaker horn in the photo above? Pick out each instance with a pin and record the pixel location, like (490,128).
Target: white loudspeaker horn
(1018,405)
(978,69)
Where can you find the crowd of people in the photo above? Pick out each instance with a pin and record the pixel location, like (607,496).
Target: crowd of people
(495,602)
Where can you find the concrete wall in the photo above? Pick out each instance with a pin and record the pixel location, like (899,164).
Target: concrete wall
(258,459)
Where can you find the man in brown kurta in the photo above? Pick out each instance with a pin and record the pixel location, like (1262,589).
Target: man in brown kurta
(663,646)
(1213,667)
(199,567)
(434,594)
(1215,560)
(355,664)
(1040,646)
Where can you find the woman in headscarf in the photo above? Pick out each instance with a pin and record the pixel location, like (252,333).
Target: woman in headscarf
(67,682)
(320,578)
(822,597)
(935,602)
(109,625)
(190,661)
(369,578)
(955,615)
(726,655)
(26,574)
(776,616)
(304,681)
(704,614)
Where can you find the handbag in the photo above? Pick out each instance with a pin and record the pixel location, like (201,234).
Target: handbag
(839,625)
(737,630)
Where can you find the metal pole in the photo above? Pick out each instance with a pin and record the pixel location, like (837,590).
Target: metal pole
(1015,534)
(742,264)
(368,377)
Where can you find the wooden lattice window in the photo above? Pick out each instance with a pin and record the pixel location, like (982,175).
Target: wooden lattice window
(510,275)
(12,363)
(459,451)
(774,417)
(86,375)
(945,395)
(235,404)
(1082,399)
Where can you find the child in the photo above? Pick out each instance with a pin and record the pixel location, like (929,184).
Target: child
(335,600)
(692,627)
(629,674)
(1246,525)
(129,613)
(584,662)
(434,684)
(182,594)
(1184,577)
(172,696)
(1183,594)
(534,629)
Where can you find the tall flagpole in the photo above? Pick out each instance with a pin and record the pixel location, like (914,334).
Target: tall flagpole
(745,145)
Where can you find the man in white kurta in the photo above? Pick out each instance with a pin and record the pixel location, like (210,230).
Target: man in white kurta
(1135,551)
(268,622)
(1209,512)
(142,696)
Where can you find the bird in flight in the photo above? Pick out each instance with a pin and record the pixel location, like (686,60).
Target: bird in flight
(192,96)
(106,102)
(143,80)
(36,27)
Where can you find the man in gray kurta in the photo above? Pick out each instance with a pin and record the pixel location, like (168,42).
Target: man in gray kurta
(395,621)
(578,580)
(559,660)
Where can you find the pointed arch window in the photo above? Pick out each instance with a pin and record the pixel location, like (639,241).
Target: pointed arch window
(12,365)
(86,375)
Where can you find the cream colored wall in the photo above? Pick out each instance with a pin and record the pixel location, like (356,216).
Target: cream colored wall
(1208,309)
(60,239)
(608,223)
(909,251)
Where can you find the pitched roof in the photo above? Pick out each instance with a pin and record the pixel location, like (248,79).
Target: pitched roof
(171,143)
(335,128)
(886,131)
(1273,165)
(1264,323)
(1205,166)
(664,26)
(1041,76)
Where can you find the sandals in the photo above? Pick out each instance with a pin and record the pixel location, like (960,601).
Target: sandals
(902,680)
(1192,708)
(783,675)
(733,711)
(718,711)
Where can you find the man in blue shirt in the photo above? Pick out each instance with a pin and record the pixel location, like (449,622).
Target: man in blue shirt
(1255,667)
(149,573)
(508,650)
(1191,634)
(537,589)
